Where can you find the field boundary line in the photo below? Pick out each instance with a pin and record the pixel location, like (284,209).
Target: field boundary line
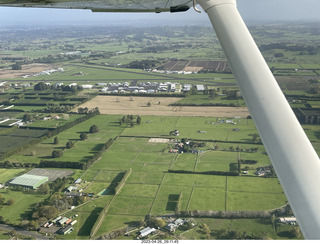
(196,163)
(188,204)
(155,197)
(226,194)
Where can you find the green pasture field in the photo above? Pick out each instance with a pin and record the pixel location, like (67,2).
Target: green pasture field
(149,189)
(23,204)
(237,201)
(10,114)
(54,123)
(131,205)
(189,127)
(216,161)
(115,221)
(215,199)
(140,190)
(28,108)
(205,99)
(4,235)
(17,138)
(166,203)
(258,227)
(185,161)
(88,213)
(8,174)
(82,149)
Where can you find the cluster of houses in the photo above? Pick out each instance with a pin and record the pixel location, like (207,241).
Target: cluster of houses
(45,72)
(171,227)
(262,171)
(172,72)
(144,87)
(76,190)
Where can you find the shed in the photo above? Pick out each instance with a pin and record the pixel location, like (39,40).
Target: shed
(66,230)
(73,222)
(63,221)
(56,219)
(78,181)
(29,181)
(146,231)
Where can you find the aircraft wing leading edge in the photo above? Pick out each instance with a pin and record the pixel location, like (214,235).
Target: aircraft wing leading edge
(105,5)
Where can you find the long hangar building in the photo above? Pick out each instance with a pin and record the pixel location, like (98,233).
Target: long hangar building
(29,181)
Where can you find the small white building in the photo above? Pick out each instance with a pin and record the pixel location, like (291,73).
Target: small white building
(288,220)
(200,87)
(56,85)
(146,231)
(87,86)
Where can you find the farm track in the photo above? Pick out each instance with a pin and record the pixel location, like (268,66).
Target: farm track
(23,232)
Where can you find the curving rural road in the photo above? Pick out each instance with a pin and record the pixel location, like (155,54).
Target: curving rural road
(23,232)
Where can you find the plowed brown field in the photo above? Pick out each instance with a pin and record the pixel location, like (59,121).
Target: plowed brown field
(138,106)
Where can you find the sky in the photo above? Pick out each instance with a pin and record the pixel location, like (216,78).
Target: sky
(252,11)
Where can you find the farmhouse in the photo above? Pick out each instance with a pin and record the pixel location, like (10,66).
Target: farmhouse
(200,87)
(28,181)
(174,225)
(87,86)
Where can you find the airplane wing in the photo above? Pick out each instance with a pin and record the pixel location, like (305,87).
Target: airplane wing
(105,5)
(293,157)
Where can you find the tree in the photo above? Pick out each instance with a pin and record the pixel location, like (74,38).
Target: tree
(70,144)
(27,117)
(255,138)
(48,211)
(56,141)
(44,189)
(57,154)
(138,120)
(16,66)
(83,136)
(10,201)
(93,129)
(1,199)
(41,86)
(206,229)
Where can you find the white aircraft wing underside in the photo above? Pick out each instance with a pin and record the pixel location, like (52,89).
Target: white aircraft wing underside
(105,5)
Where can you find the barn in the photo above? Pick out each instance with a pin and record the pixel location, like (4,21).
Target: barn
(28,181)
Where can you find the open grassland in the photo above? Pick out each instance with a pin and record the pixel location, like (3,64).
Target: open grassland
(8,174)
(151,189)
(43,150)
(23,204)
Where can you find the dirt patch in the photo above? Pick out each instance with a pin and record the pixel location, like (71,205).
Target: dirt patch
(159,107)
(52,174)
(28,69)
(159,140)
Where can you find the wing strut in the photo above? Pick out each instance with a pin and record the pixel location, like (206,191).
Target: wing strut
(292,155)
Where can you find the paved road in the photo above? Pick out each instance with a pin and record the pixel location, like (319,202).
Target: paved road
(23,232)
